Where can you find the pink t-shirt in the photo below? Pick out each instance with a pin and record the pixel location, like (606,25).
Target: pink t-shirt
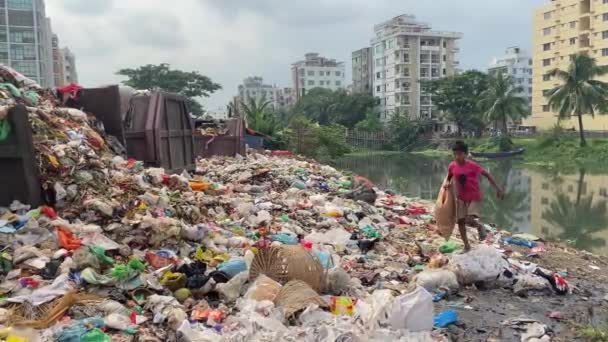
(470,191)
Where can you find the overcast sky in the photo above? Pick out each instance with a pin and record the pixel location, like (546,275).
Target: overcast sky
(229,40)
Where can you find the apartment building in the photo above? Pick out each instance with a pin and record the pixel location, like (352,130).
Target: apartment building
(363,70)
(254,87)
(316,71)
(562,29)
(406,52)
(283,98)
(69,65)
(517,64)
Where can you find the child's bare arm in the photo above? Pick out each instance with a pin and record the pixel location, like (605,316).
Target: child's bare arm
(499,190)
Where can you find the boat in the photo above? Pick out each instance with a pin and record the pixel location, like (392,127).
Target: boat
(493,155)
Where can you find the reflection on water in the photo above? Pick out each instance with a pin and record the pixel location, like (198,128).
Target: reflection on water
(554,206)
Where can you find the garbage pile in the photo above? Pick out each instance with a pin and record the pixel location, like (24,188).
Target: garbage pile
(257,248)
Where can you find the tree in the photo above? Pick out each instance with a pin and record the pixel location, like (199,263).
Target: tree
(404,132)
(501,102)
(458,98)
(580,93)
(188,84)
(371,122)
(326,106)
(259,117)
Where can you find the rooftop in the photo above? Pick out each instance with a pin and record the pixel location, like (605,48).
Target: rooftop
(408,25)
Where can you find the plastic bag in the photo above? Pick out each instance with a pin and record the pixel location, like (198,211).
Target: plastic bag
(445,318)
(233,267)
(338,281)
(232,289)
(432,280)
(342,305)
(67,239)
(413,311)
(445,212)
(263,288)
(482,264)
(95,335)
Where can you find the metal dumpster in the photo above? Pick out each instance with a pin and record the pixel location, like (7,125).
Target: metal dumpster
(231,144)
(18,170)
(157,128)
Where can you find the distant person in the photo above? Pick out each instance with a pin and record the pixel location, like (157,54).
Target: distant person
(468,192)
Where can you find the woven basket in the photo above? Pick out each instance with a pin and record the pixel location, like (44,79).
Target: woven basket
(296,295)
(285,263)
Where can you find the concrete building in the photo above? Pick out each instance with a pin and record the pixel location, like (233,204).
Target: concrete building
(58,63)
(517,64)
(563,28)
(69,64)
(406,52)
(283,98)
(316,72)
(254,87)
(363,71)
(26,39)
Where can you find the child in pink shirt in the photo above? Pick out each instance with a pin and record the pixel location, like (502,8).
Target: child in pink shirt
(466,175)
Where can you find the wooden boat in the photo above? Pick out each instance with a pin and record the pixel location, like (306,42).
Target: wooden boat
(493,155)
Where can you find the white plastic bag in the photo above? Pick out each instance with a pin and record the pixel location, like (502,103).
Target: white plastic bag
(413,311)
(432,280)
(482,264)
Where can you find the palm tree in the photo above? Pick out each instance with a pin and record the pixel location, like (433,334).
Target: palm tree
(501,102)
(580,92)
(258,117)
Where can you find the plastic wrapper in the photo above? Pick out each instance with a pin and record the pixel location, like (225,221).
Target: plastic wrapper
(483,264)
(262,289)
(437,279)
(413,311)
(232,289)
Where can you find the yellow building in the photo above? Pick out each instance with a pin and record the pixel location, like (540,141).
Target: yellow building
(563,28)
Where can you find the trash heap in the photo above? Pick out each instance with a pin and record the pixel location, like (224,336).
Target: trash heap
(257,248)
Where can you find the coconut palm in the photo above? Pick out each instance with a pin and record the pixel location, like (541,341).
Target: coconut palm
(501,101)
(580,93)
(259,117)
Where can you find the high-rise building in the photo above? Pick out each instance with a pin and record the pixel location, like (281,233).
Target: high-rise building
(58,63)
(406,52)
(363,71)
(517,64)
(69,65)
(562,29)
(254,88)
(26,39)
(316,72)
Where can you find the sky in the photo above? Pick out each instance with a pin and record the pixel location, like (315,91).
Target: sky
(229,40)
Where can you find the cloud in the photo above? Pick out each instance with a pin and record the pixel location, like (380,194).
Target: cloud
(229,40)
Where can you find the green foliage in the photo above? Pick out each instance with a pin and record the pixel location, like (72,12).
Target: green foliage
(404,132)
(580,93)
(458,97)
(500,102)
(592,334)
(326,106)
(371,122)
(259,117)
(323,143)
(553,136)
(189,84)
(565,154)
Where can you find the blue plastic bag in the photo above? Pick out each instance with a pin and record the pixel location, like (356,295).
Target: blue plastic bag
(445,319)
(519,242)
(325,259)
(285,239)
(233,267)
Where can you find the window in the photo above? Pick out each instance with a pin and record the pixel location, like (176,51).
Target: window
(338,83)
(20,4)
(605,1)
(338,73)
(444,72)
(572,41)
(547,31)
(23,52)
(514,71)
(378,88)
(547,15)
(378,62)
(547,62)
(604,34)
(22,35)
(311,73)
(328,73)
(530,90)
(546,108)
(445,44)
(20,18)
(545,186)
(605,17)
(544,200)
(390,43)
(520,80)
(529,81)
(546,92)
(3,52)
(26,68)
(311,82)
(301,71)
(547,47)
(378,49)
(603,192)
(546,77)
(604,52)
(321,83)
(573,24)
(445,58)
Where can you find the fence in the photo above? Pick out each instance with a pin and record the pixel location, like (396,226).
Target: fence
(366,140)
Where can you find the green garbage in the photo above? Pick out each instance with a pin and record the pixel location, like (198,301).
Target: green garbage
(299,185)
(182,294)
(137,265)
(14,90)
(419,267)
(120,272)
(345,184)
(370,232)
(448,247)
(95,335)
(100,253)
(5,129)
(32,96)
(6,262)
(284,218)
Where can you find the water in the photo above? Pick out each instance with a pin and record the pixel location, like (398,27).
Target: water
(567,207)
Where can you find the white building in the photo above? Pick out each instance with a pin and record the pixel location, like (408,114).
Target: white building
(254,87)
(283,98)
(69,64)
(407,52)
(517,64)
(317,72)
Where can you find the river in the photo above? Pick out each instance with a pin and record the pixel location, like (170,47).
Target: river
(554,206)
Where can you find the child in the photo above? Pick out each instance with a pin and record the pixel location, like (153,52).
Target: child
(466,174)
